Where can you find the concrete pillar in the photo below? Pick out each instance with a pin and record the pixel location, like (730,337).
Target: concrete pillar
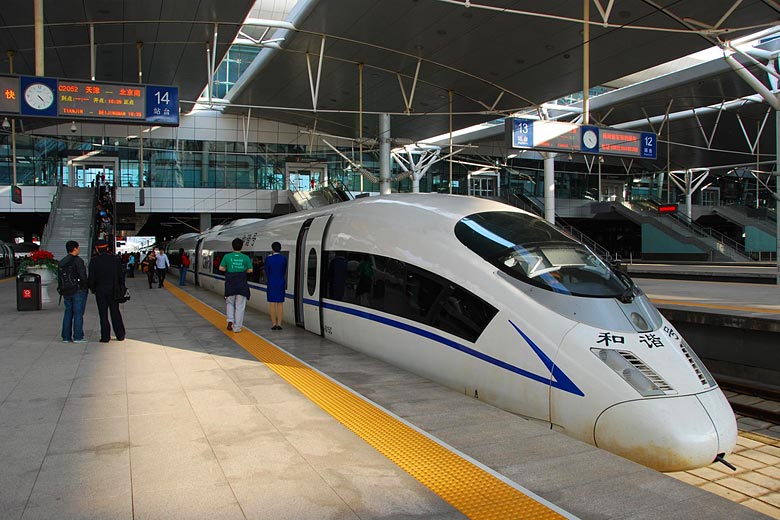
(38,33)
(384,154)
(205,221)
(549,187)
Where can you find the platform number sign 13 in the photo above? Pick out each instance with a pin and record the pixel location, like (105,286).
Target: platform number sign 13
(522,133)
(162,105)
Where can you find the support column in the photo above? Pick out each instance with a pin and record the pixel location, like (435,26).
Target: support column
(384,154)
(549,187)
(205,159)
(205,221)
(688,195)
(38,15)
(777,197)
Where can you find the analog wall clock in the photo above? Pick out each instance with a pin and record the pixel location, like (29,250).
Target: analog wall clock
(39,96)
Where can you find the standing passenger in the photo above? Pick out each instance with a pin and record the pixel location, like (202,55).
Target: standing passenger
(275,274)
(184,263)
(236,266)
(72,284)
(104,274)
(148,266)
(162,265)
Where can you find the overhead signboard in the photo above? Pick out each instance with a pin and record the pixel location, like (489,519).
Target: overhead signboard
(89,100)
(100,101)
(562,137)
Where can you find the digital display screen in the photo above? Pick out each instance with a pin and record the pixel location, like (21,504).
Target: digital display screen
(100,101)
(620,142)
(9,94)
(564,137)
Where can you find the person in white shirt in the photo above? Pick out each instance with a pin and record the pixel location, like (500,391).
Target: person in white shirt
(161,263)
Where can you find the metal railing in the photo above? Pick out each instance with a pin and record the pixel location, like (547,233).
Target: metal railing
(53,211)
(708,232)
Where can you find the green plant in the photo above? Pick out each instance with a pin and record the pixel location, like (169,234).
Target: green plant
(40,258)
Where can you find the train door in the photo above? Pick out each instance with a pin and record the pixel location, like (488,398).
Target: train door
(308,278)
(196,265)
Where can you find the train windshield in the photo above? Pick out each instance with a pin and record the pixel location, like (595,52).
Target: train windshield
(534,252)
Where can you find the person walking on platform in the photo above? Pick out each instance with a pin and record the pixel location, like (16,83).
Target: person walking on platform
(275,274)
(236,266)
(105,272)
(131,266)
(148,266)
(72,286)
(162,265)
(184,264)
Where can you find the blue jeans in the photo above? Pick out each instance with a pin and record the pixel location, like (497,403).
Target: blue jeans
(73,320)
(182,275)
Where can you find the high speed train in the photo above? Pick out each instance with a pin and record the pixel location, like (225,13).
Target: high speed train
(496,303)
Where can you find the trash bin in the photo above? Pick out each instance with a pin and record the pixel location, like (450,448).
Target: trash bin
(28,292)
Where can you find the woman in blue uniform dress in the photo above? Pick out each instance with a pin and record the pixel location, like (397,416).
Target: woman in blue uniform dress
(275,274)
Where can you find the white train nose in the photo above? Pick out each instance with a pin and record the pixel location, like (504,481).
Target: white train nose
(669,433)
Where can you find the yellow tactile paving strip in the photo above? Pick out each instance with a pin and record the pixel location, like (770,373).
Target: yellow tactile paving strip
(755,484)
(468,488)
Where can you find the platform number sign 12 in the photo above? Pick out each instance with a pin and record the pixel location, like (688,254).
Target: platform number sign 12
(649,145)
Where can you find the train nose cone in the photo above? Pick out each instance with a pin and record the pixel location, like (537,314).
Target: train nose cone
(669,433)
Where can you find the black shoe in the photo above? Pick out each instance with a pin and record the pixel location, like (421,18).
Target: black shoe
(120,339)
(104,340)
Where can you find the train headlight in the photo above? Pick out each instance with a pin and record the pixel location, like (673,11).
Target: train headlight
(633,371)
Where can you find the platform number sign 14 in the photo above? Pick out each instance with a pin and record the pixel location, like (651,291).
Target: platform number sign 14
(162,105)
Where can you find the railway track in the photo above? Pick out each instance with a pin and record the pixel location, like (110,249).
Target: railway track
(751,400)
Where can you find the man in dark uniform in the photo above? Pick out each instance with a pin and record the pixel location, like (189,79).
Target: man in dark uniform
(104,272)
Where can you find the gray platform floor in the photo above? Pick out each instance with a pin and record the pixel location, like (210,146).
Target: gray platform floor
(737,299)
(180,422)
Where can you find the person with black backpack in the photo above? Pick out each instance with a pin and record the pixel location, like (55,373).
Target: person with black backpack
(72,286)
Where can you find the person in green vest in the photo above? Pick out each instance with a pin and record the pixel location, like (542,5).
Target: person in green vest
(236,266)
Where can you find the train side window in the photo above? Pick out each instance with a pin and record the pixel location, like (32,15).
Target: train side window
(422,290)
(218,260)
(336,287)
(397,288)
(311,272)
(463,314)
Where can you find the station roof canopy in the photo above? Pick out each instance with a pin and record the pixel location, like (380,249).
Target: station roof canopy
(495,56)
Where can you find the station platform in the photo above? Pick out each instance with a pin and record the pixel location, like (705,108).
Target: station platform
(729,299)
(184,419)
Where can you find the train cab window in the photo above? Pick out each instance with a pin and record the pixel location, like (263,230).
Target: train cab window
(533,251)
